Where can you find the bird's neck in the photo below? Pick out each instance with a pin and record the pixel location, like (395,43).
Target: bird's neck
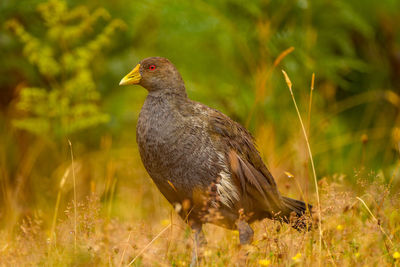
(179,92)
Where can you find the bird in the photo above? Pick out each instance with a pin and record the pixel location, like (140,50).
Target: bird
(204,163)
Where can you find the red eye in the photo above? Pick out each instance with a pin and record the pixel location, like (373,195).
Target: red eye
(152,67)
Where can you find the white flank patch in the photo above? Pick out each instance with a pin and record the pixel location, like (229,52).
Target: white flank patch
(227,191)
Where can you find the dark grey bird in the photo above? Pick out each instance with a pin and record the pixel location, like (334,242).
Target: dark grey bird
(204,163)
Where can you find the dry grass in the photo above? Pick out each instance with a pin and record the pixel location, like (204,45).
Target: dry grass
(318,207)
(142,227)
(162,239)
(123,217)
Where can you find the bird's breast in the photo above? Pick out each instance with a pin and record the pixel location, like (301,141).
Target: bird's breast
(176,149)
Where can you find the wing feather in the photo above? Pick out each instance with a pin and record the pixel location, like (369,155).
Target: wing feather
(246,165)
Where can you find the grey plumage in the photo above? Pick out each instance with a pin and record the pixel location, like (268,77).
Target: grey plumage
(201,159)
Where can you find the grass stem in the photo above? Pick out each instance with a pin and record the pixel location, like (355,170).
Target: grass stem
(310,104)
(54,220)
(289,84)
(123,252)
(53,224)
(75,204)
(376,220)
(149,244)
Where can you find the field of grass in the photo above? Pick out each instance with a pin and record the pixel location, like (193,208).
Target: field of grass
(139,228)
(123,220)
(73,190)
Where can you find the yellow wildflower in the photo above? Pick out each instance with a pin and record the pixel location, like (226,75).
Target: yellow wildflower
(165,222)
(357,254)
(297,257)
(339,227)
(264,262)
(396,255)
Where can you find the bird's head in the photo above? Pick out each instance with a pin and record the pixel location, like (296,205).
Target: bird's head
(155,74)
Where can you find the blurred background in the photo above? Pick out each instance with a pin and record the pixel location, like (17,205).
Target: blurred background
(61,62)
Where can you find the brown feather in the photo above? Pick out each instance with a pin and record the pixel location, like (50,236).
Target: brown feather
(251,179)
(192,152)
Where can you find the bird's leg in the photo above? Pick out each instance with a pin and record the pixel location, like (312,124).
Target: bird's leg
(245,232)
(246,237)
(198,244)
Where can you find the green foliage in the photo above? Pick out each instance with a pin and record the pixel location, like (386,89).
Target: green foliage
(64,58)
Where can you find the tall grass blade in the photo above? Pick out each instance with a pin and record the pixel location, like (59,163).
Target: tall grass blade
(75,203)
(289,84)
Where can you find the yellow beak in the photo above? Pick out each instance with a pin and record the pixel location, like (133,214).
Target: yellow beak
(132,77)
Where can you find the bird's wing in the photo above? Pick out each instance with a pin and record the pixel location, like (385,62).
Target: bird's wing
(247,168)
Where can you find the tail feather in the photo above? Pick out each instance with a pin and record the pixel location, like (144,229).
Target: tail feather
(299,208)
